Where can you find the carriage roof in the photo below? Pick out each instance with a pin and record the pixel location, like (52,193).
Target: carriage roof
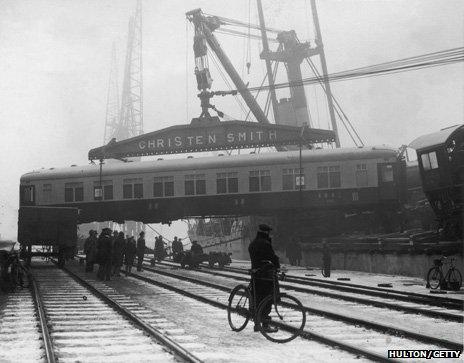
(225,161)
(435,139)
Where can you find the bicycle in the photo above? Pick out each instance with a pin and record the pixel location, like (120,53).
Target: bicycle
(452,279)
(287,316)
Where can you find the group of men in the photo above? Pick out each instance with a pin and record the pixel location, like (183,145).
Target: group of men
(111,250)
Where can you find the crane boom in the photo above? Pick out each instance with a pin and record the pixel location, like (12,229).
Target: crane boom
(206,26)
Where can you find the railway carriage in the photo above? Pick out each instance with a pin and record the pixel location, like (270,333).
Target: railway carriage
(441,165)
(341,180)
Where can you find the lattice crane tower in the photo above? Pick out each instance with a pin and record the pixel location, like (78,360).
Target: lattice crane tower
(129,121)
(112,99)
(125,120)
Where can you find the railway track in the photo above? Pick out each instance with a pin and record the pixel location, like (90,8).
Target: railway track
(19,331)
(84,322)
(209,325)
(436,301)
(356,336)
(442,308)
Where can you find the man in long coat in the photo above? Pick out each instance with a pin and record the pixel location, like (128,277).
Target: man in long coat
(104,254)
(118,253)
(130,253)
(140,250)
(261,252)
(90,250)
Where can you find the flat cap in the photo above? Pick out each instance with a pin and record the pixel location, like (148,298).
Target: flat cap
(264,228)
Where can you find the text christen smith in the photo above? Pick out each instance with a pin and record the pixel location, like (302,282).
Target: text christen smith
(210,139)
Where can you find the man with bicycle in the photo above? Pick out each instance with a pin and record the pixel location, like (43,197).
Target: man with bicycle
(261,253)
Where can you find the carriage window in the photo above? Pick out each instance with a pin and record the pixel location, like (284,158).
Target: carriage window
(232,182)
(260,180)
(361,175)
(47,193)
(227,183)
(334,177)
(195,184)
(132,188)
(328,177)
(387,173)
(138,190)
(291,179)
(73,192)
(108,192)
(322,177)
(27,194)
(429,161)
(163,186)
(103,190)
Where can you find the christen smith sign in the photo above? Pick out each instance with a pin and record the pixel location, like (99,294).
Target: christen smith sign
(210,139)
(213,136)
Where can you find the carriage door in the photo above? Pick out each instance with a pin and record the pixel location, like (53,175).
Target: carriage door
(387,190)
(432,177)
(27,195)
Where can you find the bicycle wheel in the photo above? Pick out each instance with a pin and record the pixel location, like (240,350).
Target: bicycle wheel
(238,310)
(287,316)
(434,278)
(454,279)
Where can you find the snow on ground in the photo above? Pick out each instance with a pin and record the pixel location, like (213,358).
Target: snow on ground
(209,325)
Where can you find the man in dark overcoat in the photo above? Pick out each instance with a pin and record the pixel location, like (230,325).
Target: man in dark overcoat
(104,254)
(140,250)
(129,253)
(261,252)
(90,250)
(118,253)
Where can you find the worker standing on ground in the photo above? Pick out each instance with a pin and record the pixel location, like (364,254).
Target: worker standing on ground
(177,248)
(129,254)
(196,251)
(140,250)
(104,254)
(118,253)
(90,250)
(160,253)
(326,259)
(298,254)
(261,252)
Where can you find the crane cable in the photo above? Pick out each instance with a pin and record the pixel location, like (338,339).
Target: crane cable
(338,109)
(221,73)
(248,55)
(419,62)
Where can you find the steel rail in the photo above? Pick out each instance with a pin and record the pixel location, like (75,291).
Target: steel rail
(439,300)
(154,333)
(334,316)
(381,304)
(39,305)
(445,302)
(305,334)
(397,307)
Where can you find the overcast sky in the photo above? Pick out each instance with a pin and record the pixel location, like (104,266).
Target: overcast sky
(55,59)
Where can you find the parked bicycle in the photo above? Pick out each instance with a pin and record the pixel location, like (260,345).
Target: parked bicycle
(287,316)
(435,278)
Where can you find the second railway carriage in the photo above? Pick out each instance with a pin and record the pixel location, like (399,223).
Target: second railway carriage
(343,180)
(441,165)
